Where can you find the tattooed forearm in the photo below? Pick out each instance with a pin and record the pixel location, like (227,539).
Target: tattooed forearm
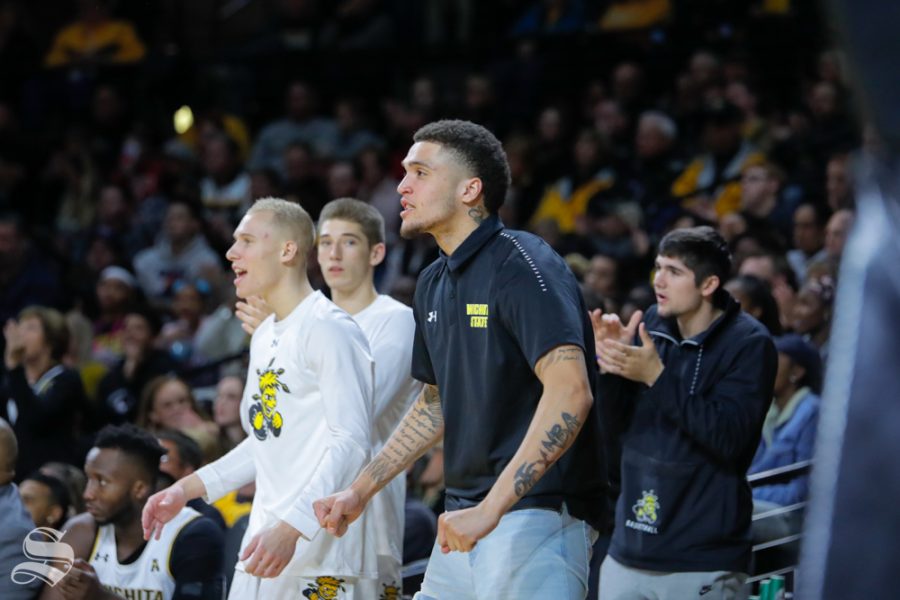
(419,430)
(559,437)
(478,214)
(526,477)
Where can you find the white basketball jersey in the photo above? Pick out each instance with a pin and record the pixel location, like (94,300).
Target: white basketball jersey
(148,577)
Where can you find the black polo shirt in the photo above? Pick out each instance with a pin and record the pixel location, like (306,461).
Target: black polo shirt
(484,317)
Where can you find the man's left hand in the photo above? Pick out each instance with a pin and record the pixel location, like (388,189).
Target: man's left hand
(637,363)
(460,530)
(270,550)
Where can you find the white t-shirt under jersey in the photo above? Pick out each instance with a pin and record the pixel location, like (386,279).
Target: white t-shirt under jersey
(307,409)
(389,327)
(147,577)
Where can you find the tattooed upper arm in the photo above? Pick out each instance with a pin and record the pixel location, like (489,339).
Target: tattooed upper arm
(560,354)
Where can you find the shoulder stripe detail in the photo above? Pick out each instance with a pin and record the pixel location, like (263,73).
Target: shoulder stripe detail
(537,273)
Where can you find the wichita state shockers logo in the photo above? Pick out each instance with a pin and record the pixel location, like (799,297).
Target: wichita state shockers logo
(645,508)
(325,588)
(263,416)
(391,592)
(646,511)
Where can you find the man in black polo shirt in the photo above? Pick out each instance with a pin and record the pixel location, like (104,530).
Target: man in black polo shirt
(505,348)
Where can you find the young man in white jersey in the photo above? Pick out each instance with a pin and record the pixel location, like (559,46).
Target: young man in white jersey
(112,558)
(350,246)
(307,409)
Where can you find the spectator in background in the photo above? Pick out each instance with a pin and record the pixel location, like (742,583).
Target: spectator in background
(832,129)
(113,219)
(602,280)
(755,129)
(189,307)
(74,480)
(79,357)
(116,295)
(762,207)
(479,102)
(180,253)
(183,456)
(45,401)
(837,231)
(810,220)
(302,183)
(689,402)
(755,298)
(778,275)
(225,188)
(95,39)
(812,312)
(109,124)
(612,122)
(353,135)
(788,436)
(342,183)
(227,411)
(15,522)
(628,85)
(26,278)
(839,183)
(220,335)
(551,151)
(566,201)
(168,403)
(710,185)
(46,498)
(300,125)
(653,170)
(264,183)
(69,183)
(120,389)
(379,188)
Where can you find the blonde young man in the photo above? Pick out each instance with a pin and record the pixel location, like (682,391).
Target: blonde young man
(307,409)
(350,246)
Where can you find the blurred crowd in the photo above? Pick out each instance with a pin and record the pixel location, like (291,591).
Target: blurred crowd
(133,136)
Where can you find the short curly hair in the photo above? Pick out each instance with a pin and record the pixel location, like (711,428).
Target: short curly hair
(478,150)
(137,443)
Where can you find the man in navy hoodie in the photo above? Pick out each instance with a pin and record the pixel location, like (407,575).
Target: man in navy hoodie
(688,394)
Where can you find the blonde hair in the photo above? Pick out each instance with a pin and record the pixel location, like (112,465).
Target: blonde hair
(291,218)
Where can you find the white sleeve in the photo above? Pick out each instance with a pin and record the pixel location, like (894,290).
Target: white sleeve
(235,469)
(392,349)
(340,357)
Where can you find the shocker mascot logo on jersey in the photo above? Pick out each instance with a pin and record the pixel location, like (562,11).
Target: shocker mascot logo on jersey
(325,588)
(263,416)
(391,592)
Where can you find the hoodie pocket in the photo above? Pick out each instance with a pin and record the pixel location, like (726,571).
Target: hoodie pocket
(653,502)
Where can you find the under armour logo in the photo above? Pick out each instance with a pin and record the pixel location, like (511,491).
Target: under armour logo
(103,557)
(274,344)
(432,316)
(154,566)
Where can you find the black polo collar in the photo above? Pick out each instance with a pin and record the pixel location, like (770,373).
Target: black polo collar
(472,244)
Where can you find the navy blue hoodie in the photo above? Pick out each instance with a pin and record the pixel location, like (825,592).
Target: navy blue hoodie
(687,442)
